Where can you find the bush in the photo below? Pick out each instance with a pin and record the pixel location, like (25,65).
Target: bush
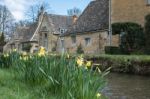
(80,49)
(112,50)
(132,36)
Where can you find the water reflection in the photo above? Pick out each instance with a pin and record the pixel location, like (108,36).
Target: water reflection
(122,86)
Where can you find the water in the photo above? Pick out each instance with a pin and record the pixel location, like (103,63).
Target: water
(123,86)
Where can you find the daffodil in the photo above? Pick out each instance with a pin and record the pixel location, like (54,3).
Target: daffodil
(80,61)
(42,51)
(98,95)
(88,64)
(24,53)
(68,56)
(14,50)
(6,55)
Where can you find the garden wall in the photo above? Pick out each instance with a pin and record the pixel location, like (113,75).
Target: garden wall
(139,65)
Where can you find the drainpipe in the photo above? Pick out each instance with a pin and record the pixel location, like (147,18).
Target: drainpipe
(110,28)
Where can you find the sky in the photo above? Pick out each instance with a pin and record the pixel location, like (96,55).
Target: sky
(19,7)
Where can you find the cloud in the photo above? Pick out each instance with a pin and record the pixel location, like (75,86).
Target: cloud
(18,7)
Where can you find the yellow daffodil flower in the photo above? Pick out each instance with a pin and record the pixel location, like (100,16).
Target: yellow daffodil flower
(6,55)
(98,95)
(42,51)
(68,56)
(14,50)
(24,53)
(88,63)
(80,61)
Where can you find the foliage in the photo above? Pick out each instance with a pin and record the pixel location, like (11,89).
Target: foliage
(132,36)
(60,76)
(112,50)
(80,49)
(147,33)
(2,40)
(135,64)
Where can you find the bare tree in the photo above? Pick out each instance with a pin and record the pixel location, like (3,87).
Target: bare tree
(74,11)
(34,10)
(6,21)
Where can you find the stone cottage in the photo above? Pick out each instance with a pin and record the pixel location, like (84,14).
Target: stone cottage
(91,28)
(21,38)
(50,28)
(45,32)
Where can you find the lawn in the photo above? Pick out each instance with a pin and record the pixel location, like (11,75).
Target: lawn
(13,88)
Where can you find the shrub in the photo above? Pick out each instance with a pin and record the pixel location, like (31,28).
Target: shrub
(112,50)
(147,33)
(80,49)
(133,38)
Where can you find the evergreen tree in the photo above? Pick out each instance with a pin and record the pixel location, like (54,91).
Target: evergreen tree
(2,39)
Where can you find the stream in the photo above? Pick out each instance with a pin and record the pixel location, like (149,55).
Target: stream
(124,86)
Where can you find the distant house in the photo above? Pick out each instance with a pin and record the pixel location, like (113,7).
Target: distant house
(51,26)
(21,38)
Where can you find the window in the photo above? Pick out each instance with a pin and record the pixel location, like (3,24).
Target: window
(62,43)
(62,31)
(45,41)
(148,2)
(73,39)
(87,41)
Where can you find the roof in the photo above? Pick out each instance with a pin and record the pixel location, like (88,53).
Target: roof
(24,33)
(95,17)
(60,22)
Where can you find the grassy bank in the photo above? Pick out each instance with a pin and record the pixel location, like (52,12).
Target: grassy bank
(51,75)
(133,64)
(13,88)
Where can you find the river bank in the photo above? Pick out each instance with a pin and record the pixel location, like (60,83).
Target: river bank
(135,64)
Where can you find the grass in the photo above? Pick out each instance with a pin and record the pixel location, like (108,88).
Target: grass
(123,57)
(49,77)
(13,88)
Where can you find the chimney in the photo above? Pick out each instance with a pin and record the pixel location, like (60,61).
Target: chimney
(74,18)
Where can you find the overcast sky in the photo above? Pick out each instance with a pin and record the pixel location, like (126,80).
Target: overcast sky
(19,7)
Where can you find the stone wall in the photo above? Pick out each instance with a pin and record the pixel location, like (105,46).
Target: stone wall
(97,43)
(130,11)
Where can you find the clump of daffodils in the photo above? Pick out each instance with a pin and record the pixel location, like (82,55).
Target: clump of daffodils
(82,62)
(42,51)
(24,56)
(6,55)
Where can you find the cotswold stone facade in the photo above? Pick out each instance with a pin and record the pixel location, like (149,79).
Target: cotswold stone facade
(130,11)
(50,29)
(90,42)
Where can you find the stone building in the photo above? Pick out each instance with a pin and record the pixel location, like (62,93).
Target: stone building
(21,38)
(51,27)
(91,28)
(130,11)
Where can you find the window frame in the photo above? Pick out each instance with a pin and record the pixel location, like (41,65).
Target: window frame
(73,39)
(87,41)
